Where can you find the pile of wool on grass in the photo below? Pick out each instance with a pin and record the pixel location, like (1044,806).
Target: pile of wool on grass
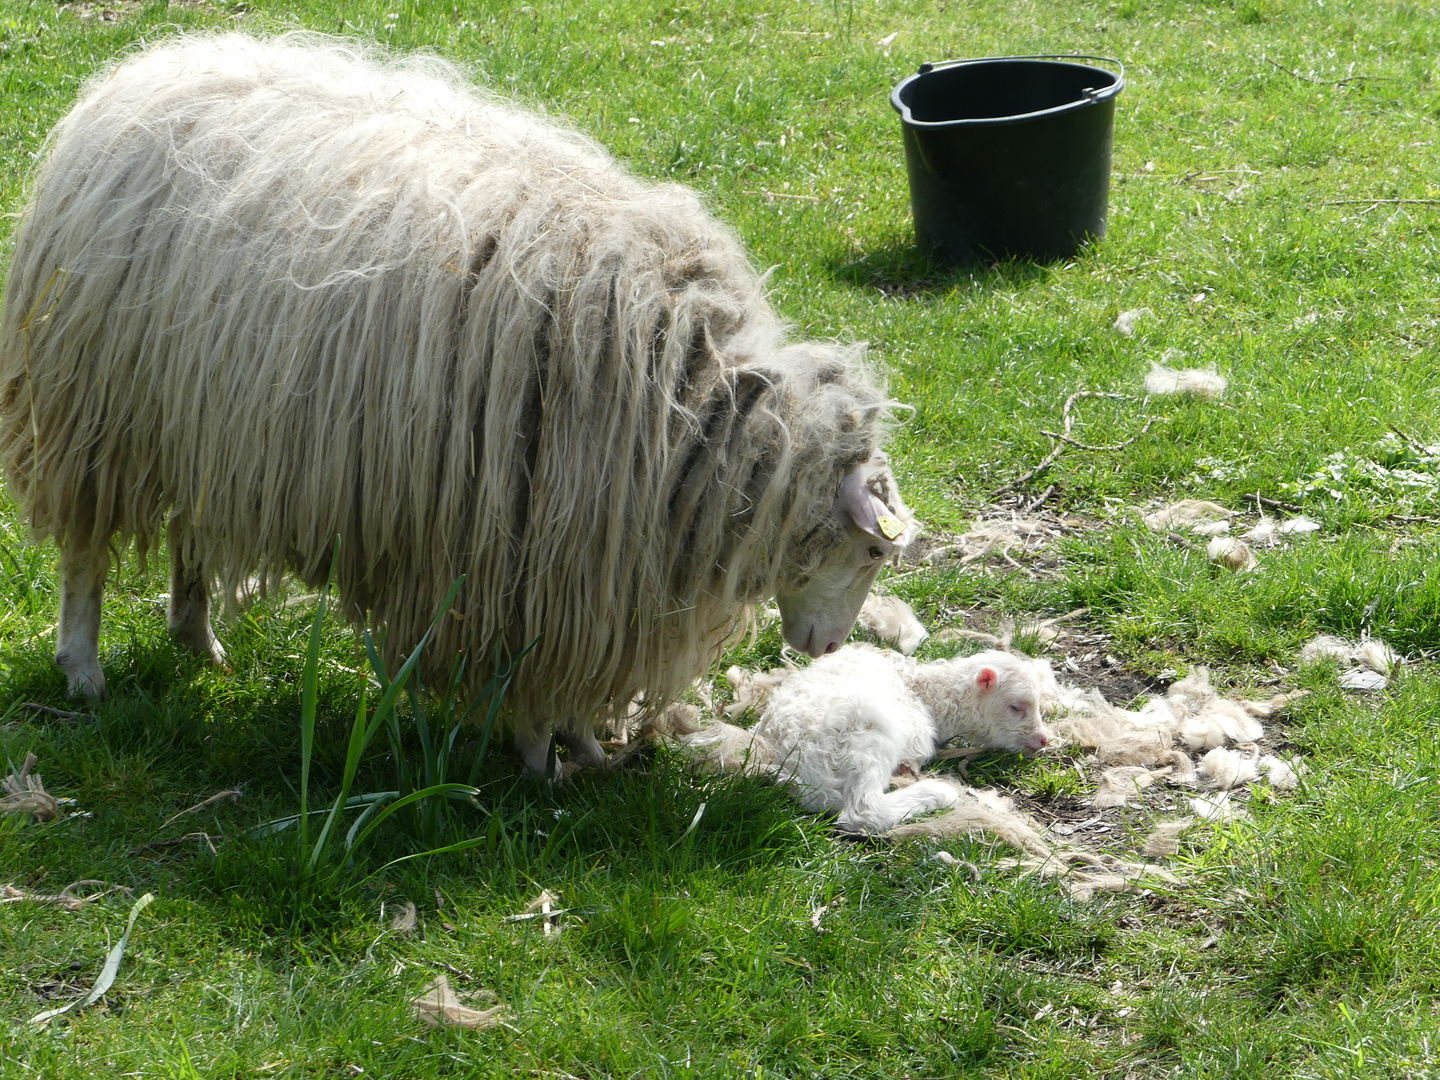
(1368,652)
(988,536)
(1230,553)
(1195,516)
(1198,517)
(1366,664)
(1269,531)
(269,292)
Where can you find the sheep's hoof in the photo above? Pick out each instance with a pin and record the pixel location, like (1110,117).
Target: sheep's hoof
(202,642)
(88,682)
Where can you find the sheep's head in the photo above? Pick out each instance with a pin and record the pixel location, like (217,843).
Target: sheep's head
(869,526)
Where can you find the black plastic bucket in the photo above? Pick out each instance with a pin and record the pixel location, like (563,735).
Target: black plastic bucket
(1010,155)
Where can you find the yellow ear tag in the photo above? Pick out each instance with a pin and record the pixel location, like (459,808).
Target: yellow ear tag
(890,527)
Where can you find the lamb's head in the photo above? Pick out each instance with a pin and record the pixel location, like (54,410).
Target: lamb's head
(1005,694)
(870,525)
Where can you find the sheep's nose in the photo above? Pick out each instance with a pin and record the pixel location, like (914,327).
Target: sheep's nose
(832,646)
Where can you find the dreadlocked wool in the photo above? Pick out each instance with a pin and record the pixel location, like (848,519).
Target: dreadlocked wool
(272,292)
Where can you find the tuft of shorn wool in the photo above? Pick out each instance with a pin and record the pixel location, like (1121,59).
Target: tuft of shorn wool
(1119,784)
(277,291)
(1164,839)
(1202,382)
(1230,553)
(1368,652)
(893,621)
(1198,516)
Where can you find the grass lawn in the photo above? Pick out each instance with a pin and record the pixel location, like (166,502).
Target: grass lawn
(1275,214)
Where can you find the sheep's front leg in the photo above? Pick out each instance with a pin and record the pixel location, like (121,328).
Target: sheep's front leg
(189,612)
(536,747)
(585,750)
(77,641)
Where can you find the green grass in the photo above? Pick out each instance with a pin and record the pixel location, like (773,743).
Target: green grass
(1250,141)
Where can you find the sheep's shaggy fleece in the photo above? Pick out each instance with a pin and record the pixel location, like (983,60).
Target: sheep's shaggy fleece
(275,291)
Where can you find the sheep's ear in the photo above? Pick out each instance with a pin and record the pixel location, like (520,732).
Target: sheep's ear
(986,680)
(865,510)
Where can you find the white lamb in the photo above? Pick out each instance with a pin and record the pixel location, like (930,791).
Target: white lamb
(837,731)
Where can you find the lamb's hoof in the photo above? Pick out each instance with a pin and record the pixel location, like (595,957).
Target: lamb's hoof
(854,832)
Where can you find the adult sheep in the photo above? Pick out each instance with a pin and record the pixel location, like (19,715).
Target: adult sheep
(269,292)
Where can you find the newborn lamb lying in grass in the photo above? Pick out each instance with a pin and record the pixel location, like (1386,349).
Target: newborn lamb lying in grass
(837,731)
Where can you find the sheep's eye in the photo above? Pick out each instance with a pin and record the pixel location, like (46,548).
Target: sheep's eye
(876,553)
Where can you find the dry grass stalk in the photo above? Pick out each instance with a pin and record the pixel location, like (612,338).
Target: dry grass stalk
(440,1006)
(25,793)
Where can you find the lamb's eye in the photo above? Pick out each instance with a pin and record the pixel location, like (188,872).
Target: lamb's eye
(876,553)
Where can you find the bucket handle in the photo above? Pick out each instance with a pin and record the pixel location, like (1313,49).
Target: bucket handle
(928,67)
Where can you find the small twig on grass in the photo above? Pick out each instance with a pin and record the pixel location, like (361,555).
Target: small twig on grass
(65,898)
(1039,501)
(160,845)
(234,794)
(61,714)
(452,969)
(1086,446)
(1415,444)
(1205,176)
(1261,501)
(1328,82)
(771,196)
(1063,438)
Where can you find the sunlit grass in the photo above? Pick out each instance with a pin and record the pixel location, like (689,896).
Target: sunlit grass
(1257,143)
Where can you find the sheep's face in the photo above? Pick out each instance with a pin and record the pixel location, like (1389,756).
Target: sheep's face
(868,532)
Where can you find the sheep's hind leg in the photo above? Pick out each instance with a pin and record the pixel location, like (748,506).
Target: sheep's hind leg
(77,640)
(189,611)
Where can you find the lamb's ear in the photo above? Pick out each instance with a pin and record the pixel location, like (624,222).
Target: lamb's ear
(867,511)
(987,679)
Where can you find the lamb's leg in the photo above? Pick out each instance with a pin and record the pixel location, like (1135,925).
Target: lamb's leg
(77,641)
(875,812)
(189,612)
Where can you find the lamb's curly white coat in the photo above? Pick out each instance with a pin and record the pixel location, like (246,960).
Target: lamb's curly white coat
(269,292)
(836,731)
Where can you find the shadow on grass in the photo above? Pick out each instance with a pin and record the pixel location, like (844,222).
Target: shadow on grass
(175,731)
(901,270)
